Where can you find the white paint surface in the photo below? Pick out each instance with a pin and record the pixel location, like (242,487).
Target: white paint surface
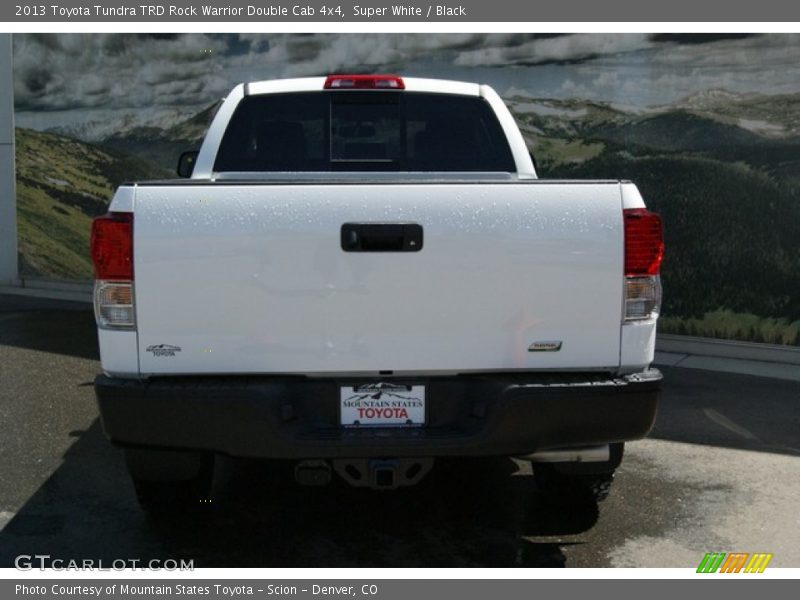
(252,278)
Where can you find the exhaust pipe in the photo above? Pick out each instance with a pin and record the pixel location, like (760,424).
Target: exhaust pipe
(572,455)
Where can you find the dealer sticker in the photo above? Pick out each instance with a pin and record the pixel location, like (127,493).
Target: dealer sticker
(382,405)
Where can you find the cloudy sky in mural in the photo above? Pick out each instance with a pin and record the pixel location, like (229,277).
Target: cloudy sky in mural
(73,78)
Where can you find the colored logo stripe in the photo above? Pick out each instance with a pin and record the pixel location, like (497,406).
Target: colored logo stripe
(758,562)
(734,562)
(711,562)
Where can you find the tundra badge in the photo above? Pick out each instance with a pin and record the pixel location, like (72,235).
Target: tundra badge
(548,346)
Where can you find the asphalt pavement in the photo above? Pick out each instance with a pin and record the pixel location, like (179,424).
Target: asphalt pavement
(719,472)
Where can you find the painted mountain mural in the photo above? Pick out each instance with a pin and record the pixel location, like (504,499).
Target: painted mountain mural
(708,127)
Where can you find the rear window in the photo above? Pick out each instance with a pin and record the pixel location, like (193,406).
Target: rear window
(364,131)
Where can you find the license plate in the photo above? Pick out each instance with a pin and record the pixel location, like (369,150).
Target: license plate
(382,405)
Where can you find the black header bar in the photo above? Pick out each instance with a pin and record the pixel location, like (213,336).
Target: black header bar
(412,11)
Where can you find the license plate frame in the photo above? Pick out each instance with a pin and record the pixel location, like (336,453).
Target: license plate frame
(383,404)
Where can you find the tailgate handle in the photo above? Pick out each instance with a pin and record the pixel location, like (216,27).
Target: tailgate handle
(381,237)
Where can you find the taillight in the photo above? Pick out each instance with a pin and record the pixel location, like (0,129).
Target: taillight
(364,82)
(112,246)
(644,243)
(644,250)
(112,257)
(113,305)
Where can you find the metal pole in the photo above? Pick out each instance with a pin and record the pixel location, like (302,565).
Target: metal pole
(8,197)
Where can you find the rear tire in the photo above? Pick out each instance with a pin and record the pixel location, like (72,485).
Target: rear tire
(550,481)
(169,483)
(579,479)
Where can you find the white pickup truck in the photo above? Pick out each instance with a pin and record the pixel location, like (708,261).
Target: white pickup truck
(363,273)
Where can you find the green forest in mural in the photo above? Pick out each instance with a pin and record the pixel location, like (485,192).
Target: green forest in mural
(722,168)
(724,173)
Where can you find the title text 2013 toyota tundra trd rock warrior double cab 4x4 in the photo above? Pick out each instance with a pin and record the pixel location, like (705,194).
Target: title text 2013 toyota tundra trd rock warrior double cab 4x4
(361,274)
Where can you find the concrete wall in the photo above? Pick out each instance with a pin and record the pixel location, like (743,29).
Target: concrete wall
(8,200)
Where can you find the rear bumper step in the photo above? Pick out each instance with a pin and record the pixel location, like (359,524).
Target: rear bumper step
(297,418)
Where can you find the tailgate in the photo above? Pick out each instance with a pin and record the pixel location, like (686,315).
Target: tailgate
(253,279)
